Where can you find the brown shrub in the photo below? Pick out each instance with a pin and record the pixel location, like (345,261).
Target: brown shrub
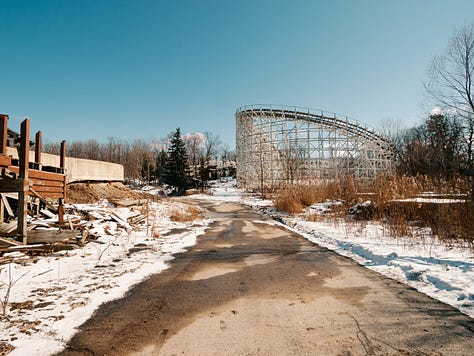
(191,213)
(289,200)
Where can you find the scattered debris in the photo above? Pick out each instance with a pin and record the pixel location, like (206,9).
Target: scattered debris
(129,202)
(46,235)
(51,235)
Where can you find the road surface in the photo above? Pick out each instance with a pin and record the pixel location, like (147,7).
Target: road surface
(249,287)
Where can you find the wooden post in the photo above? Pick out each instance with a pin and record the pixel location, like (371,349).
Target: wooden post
(2,209)
(3,134)
(3,151)
(62,160)
(38,143)
(62,164)
(23,176)
(61,212)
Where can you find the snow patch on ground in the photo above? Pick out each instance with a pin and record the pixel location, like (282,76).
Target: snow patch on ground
(432,200)
(56,294)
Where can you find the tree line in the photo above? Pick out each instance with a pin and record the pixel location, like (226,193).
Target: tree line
(148,161)
(443,144)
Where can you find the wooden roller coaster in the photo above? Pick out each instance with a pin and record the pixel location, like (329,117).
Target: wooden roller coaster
(277,145)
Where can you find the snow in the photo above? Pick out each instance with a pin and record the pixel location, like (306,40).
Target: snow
(431,200)
(61,291)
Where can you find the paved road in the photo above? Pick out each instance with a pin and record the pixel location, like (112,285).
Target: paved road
(250,288)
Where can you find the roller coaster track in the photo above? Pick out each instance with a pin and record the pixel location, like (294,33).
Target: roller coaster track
(319,117)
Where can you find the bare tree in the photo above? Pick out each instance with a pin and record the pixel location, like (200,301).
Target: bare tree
(92,149)
(138,152)
(432,149)
(51,147)
(212,144)
(194,145)
(211,149)
(291,160)
(226,153)
(451,82)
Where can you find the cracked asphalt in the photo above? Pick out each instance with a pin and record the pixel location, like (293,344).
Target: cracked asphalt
(249,287)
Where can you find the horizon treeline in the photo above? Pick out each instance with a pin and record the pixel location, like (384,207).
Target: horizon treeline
(144,160)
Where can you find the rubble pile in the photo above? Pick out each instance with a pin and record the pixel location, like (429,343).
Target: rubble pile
(83,223)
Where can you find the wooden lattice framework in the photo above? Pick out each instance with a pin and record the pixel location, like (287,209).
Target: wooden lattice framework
(277,145)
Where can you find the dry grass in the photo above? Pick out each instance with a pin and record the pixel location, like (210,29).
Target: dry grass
(448,221)
(293,198)
(190,213)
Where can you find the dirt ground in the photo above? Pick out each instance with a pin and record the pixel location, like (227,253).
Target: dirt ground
(87,193)
(251,288)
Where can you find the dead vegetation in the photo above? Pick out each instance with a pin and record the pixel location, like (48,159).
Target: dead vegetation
(391,200)
(190,213)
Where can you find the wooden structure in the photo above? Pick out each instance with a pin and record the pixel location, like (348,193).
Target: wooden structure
(28,179)
(279,145)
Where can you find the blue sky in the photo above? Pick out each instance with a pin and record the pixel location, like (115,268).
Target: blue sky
(139,69)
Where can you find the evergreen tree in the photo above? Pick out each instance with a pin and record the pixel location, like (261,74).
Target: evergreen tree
(161,159)
(176,172)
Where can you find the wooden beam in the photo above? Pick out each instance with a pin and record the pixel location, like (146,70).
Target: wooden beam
(24,148)
(43,200)
(61,212)
(5,161)
(23,194)
(64,186)
(41,175)
(10,185)
(8,242)
(38,144)
(51,236)
(3,134)
(62,164)
(46,183)
(6,205)
(62,160)
(45,189)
